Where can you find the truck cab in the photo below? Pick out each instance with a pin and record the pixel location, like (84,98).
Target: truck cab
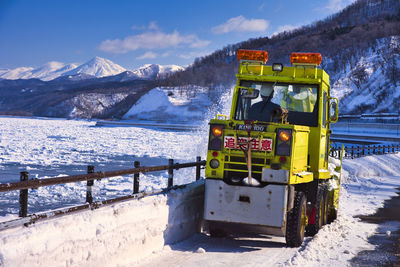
(267,163)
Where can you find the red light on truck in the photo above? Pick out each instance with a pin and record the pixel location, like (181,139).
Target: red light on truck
(306,58)
(215,154)
(254,55)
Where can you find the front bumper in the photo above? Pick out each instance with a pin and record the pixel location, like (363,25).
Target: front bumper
(261,206)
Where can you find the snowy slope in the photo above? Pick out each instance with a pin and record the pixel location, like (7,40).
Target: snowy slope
(369,83)
(175,104)
(51,70)
(18,73)
(47,72)
(99,67)
(151,71)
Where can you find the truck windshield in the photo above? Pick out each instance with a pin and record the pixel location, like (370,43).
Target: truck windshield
(258,100)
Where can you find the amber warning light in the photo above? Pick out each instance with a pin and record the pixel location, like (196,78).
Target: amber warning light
(306,58)
(254,55)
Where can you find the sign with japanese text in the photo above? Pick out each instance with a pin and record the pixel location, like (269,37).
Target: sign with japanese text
(264,144)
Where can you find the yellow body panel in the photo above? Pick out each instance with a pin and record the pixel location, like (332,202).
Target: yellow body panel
(308,152)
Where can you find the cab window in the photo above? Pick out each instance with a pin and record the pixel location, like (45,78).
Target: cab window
(258,100)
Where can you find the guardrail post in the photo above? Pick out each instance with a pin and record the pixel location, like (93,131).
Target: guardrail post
(170,173)
(89,185)
(198,159)
(352,152)
(136,164)
(23,196)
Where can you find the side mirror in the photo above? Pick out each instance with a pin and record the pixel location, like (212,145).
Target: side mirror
(333,110)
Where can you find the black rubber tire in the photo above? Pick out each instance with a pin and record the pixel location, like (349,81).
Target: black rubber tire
(326,206)
(312,229)
(296,221)
(332,212)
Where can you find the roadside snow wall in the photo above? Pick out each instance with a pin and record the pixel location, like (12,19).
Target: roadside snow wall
(114,235)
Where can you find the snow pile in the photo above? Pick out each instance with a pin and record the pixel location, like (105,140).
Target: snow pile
(164,104)
(111,236)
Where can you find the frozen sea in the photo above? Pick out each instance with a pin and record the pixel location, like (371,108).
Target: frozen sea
(53,147)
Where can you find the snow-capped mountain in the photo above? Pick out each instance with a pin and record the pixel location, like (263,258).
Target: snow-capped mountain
(47,72)
(99,67)
(17,73)
(51,70)
(152,71)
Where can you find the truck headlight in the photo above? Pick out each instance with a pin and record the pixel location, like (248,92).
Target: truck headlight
(214,163)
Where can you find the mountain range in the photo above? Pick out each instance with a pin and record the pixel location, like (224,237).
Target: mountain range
(360,47)
(97,67)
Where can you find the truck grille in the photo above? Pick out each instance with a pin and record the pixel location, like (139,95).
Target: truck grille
(235,166)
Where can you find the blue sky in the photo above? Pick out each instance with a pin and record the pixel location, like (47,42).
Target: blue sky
(134,33)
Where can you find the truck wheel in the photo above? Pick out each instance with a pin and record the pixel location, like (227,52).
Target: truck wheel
(332,212)
(296,221)
(317,214)
(326,206)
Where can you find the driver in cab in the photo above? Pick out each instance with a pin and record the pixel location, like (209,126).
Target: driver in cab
(262,111)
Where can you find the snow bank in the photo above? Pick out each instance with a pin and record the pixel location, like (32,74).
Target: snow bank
(115,235)
(171,104)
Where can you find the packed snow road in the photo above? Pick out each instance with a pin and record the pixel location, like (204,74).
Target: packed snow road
(367,182)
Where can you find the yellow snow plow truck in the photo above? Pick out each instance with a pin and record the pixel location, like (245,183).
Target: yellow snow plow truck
(267,164)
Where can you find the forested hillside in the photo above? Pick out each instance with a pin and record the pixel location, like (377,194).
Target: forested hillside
(364,31)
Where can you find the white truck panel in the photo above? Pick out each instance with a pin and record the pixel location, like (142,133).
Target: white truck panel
(245,204)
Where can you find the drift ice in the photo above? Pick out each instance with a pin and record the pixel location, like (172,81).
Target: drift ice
(267,164)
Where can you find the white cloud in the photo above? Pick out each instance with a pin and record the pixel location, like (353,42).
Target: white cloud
(153,25)
(337,5)
(147,55)
(151,40)
(241,24)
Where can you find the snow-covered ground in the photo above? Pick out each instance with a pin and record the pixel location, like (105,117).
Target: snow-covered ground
(52,147)
(367,182)
(48,148)
(142,232)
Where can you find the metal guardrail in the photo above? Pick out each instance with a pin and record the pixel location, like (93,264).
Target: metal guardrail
(356,151)
(91,175)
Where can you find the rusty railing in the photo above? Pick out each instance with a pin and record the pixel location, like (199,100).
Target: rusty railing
(25,184)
